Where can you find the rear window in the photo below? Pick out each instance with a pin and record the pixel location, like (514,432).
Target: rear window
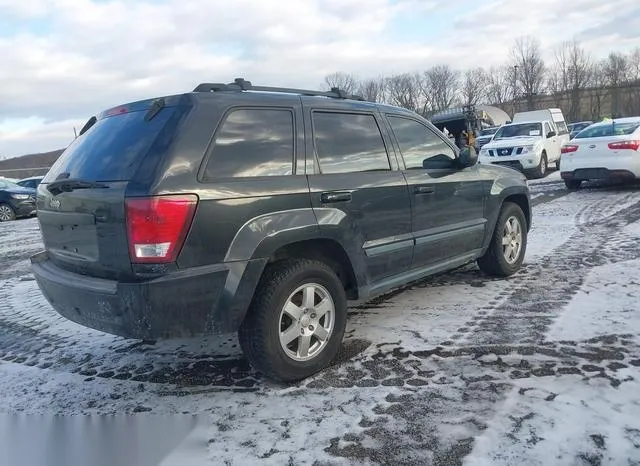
(112,149)
(603,131)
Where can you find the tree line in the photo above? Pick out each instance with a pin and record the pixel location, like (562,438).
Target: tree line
(583,86)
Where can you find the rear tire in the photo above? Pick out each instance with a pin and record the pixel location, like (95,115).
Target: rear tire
(501,258)
(573,184)
(6,213)
(558,165)
(312,292)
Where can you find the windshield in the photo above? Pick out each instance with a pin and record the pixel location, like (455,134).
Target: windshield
(4,184)
(522,130)
(614,129)
(488,132)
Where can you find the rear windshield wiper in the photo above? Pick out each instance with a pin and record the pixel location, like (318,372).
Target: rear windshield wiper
(155,108)
(68,185)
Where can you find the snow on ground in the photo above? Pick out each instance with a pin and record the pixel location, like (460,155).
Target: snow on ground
(541,368)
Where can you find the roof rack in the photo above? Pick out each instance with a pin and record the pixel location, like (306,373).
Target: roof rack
(240,84)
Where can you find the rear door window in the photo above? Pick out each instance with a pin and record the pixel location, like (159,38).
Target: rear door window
(348,143)
(112,149)
(252,142)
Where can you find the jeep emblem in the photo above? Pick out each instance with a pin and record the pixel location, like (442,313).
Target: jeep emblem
(55,203)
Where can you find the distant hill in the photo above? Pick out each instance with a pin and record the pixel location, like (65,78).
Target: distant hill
(28,165)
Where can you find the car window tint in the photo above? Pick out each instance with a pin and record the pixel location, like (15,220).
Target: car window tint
(418,143)
(252,142)
(348,142)
(112,149)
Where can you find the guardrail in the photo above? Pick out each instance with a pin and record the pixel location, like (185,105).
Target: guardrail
(19,173)
(22,169)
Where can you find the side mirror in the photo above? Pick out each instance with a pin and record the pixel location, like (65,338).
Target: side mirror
(551,134)
(467,157)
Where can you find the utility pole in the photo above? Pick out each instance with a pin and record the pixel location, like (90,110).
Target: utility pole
(75,133)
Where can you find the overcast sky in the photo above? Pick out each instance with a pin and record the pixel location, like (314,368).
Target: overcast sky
(61,61)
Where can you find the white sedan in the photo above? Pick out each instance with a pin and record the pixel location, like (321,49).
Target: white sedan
(606,150)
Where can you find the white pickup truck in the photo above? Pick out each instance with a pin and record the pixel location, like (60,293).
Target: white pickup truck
(529,144)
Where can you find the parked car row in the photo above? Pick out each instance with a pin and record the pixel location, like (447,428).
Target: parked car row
(531,142)
(582,151)
(18,199)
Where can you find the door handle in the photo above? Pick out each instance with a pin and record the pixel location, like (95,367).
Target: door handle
(423,190)
(328,198)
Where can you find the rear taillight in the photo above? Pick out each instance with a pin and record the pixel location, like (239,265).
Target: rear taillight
(620,145)
(568,149)
(157,226)
(117,111)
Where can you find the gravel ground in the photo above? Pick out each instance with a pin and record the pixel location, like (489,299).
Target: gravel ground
(541,368)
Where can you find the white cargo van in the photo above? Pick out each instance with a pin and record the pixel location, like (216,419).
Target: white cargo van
(530,143)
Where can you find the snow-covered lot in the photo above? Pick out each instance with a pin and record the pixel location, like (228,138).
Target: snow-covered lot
(539,369)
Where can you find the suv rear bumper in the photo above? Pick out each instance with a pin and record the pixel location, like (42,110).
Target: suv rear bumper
(203,300)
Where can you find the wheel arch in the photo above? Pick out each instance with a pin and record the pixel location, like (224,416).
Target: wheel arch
(326,250)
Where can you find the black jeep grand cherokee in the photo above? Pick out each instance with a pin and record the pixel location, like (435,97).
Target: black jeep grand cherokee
(263,210)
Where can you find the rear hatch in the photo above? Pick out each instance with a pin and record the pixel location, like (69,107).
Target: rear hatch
(81,200)
(588,148)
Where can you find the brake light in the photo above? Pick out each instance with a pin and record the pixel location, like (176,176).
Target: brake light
(568,149)
(631,145)
(157,226)
(117,111)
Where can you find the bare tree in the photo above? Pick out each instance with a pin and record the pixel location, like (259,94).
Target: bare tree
(372,90)
(405,90)
(632,100)
(474,86)
(499,86)
(555,86)
(570,75)
(633,72)
(597,88)
(442,85)
(531,70)
(616,73)
(343,81)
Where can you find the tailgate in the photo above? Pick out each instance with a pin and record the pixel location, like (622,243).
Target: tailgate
(84,230)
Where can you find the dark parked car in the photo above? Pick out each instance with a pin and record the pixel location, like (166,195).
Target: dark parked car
(263,210)
(31,182)
(485,137)
(16,201)
(575,128)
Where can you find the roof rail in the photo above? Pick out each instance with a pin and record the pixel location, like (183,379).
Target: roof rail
(240,84)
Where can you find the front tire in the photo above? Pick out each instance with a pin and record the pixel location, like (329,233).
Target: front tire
(508,244)
(6,213)
(573,184)
(541,170)
(296,321)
